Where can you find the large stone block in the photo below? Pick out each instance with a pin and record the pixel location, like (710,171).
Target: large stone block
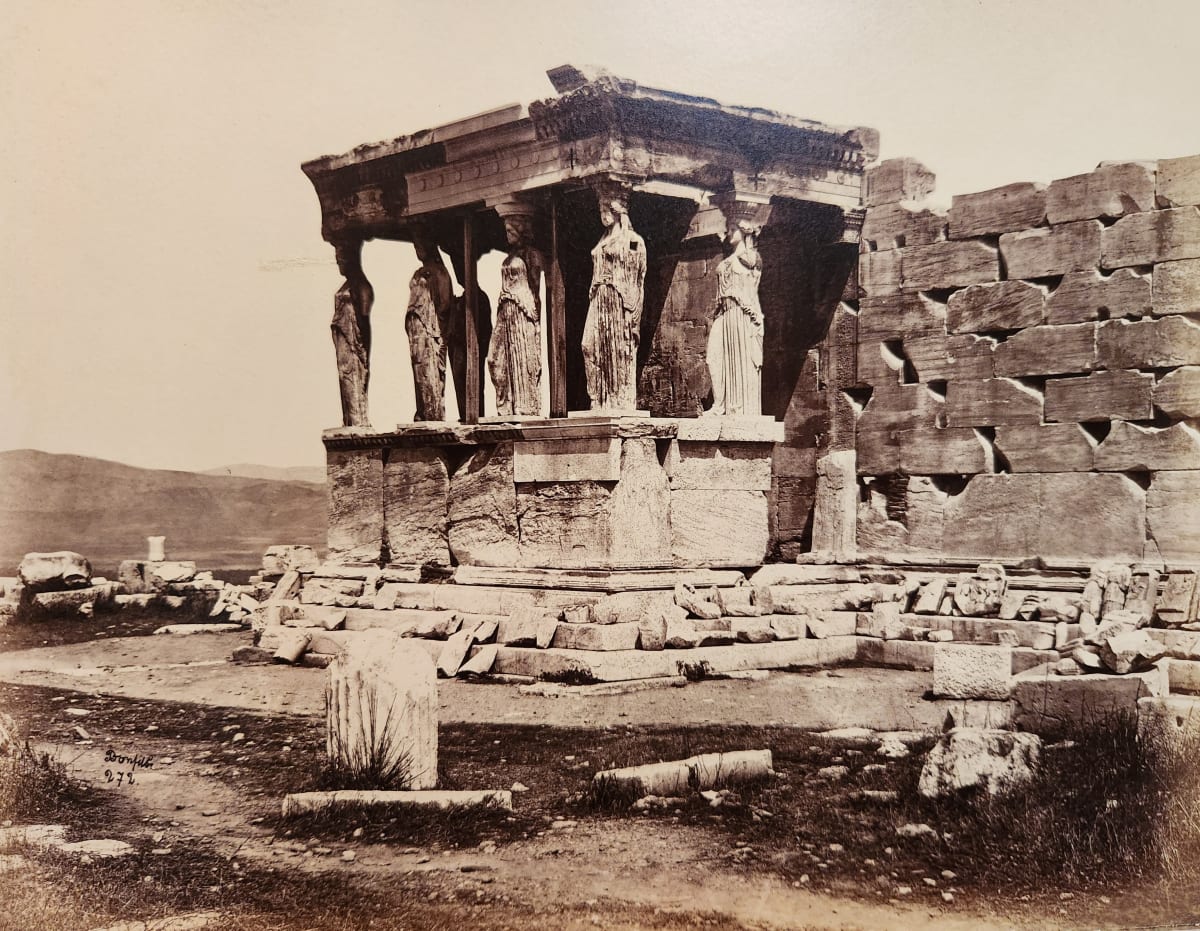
(1005,305)
(1109,191)
(1000,210)
(1052,250)
(990,760)
(1048,350)
(1177,394)
(1157,236)
(905,223)
(879,272)
(354,480)
(1179,181)
(1173,515)
(949,265)
(744,466)
(970,671)
(416,494)
(1177,287)
(897,179)
(596,637)
(564,524)
(41,572)
(835,510)
(1056,447)
(1161,343)
(381,701)
(1067,515)
(901,315)
(639,522)
(482,511)
(1050,704)
(942,358)
(590,458)
(1089,295)
(927,449)
(1119,395)
(718,528)
(991,402)
(1129,447)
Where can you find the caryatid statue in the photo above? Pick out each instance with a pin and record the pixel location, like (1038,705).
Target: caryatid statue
(735,341)
(514,356)
(612,329)
(430,299)
(351,327)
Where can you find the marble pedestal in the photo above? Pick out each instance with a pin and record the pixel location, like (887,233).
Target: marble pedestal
(585,492)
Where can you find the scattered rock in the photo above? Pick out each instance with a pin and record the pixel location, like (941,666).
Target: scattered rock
(995,760)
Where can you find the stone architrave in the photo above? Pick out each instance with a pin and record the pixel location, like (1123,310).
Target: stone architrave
(514,356)
(735,340)
(351,328)
(381,700)
(430,303)
(612,329)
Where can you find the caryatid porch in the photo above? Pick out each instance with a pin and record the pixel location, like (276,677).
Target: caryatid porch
(612,482)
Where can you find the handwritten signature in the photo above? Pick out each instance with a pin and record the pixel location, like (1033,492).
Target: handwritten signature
(125,777)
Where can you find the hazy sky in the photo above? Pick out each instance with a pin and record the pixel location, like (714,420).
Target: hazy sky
(166,294)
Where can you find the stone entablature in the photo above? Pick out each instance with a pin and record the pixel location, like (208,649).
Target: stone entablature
(600,123)
(609,493)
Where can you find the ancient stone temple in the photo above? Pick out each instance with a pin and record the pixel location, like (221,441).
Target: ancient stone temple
(758,344)
(643,216)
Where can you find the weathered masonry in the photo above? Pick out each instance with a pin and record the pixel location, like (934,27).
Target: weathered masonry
(1017,377)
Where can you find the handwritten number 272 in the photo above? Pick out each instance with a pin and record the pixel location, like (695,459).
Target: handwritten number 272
(119,777)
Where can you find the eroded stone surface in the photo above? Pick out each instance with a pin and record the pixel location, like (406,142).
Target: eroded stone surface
(1090,295)
(1159,343)
(53,571)
(382,709)
(482,513)
(949,264)
(1005,305)
(996,761)
(1100,396)
(355,485)
(639,509)
(1000,210)
(1053,447)
(1177,394)
(991,402)
(897,179)
(1154,236)
(971,671)
(1048,350)
(1129,447)
(1177,287)
(1173,514)
(1109,191)
(719,528)
(1179,181)
(416,487)
(1054,250)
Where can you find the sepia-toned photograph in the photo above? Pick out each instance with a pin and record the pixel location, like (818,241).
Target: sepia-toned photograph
(571,465)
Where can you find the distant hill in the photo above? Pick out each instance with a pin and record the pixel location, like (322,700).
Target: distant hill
(105,510)
(314,474)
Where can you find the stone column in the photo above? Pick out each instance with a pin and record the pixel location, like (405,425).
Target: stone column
(351,328)
(735,340)
(515,354)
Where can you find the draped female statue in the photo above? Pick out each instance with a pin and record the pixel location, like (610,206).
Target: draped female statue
(514,356)
(351,328)
(425,344)
(611,331)
(735,342)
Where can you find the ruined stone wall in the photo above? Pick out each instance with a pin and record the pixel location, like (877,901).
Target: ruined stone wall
(1027,374)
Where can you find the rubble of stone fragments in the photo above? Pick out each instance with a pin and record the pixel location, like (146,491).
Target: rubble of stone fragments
(61,584)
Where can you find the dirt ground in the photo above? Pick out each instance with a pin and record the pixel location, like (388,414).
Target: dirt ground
(611,873)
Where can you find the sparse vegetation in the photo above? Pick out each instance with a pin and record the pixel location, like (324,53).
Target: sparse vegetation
(35,786)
